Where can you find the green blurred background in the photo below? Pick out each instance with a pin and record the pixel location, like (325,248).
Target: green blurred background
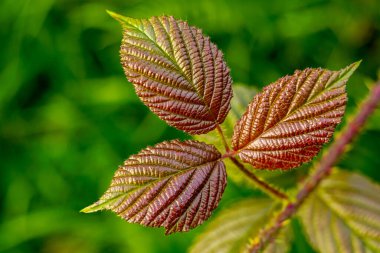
(68,116)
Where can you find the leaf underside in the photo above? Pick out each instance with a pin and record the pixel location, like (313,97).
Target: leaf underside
(176,71)
(174,184)
(288,122)
(233,228)
(343,215)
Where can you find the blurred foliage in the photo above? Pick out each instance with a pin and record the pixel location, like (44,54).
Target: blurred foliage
(68,117)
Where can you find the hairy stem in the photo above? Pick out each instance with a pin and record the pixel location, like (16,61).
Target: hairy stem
(262,185)
(323,170)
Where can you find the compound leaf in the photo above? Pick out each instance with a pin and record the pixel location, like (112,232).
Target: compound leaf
(232,230)
(289,121)
(176,71)
(174,184)
(343,215)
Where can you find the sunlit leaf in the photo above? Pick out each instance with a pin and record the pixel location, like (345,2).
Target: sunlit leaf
(174,184)
(233,228)
(343,215)
(289,121)
(177,72)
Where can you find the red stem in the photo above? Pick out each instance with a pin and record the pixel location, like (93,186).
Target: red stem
(324,169)
(264,186)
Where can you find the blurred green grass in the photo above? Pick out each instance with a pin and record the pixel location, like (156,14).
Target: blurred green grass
(68,116)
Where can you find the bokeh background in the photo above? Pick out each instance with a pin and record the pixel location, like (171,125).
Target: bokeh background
(68,116)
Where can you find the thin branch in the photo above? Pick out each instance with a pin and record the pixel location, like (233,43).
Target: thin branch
(220,131)
(324,169)
(265,187)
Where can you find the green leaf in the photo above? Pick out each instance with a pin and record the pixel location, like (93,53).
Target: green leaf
(288,122)
(343,215)
(174,184)
(232,230)
(176,71)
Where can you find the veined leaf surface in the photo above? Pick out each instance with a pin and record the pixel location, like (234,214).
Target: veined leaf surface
(176,71)
(232,230)
(289,121)
(343,215)
(174,184)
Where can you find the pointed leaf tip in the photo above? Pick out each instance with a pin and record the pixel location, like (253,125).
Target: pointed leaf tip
(356,64)
(122,19)
(349,70)
(92,208)
(87,209)
(114,15)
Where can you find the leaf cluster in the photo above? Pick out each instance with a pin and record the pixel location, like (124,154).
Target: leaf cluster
(182,77)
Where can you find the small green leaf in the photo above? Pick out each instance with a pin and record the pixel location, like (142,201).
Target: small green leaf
(176,71)
(288,122)
(232,230)
(174,184)
(343,215)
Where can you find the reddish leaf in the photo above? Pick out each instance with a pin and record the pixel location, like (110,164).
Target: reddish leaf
(174,184)
(176,71)
(287,123)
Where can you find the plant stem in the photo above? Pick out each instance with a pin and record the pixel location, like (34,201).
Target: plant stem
(324,169)
(220,131)
(262,185)
(265,187)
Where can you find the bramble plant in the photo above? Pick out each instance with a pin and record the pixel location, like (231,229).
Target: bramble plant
(182,77)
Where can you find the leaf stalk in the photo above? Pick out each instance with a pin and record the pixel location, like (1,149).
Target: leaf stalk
(262,185)
(220,131)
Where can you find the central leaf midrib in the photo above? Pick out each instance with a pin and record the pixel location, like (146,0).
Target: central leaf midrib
(168,178)
(175,174)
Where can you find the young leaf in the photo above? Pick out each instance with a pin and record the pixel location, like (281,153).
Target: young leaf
(289,121)
(174,184)
(233,228)
(176,71)
(343,215)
